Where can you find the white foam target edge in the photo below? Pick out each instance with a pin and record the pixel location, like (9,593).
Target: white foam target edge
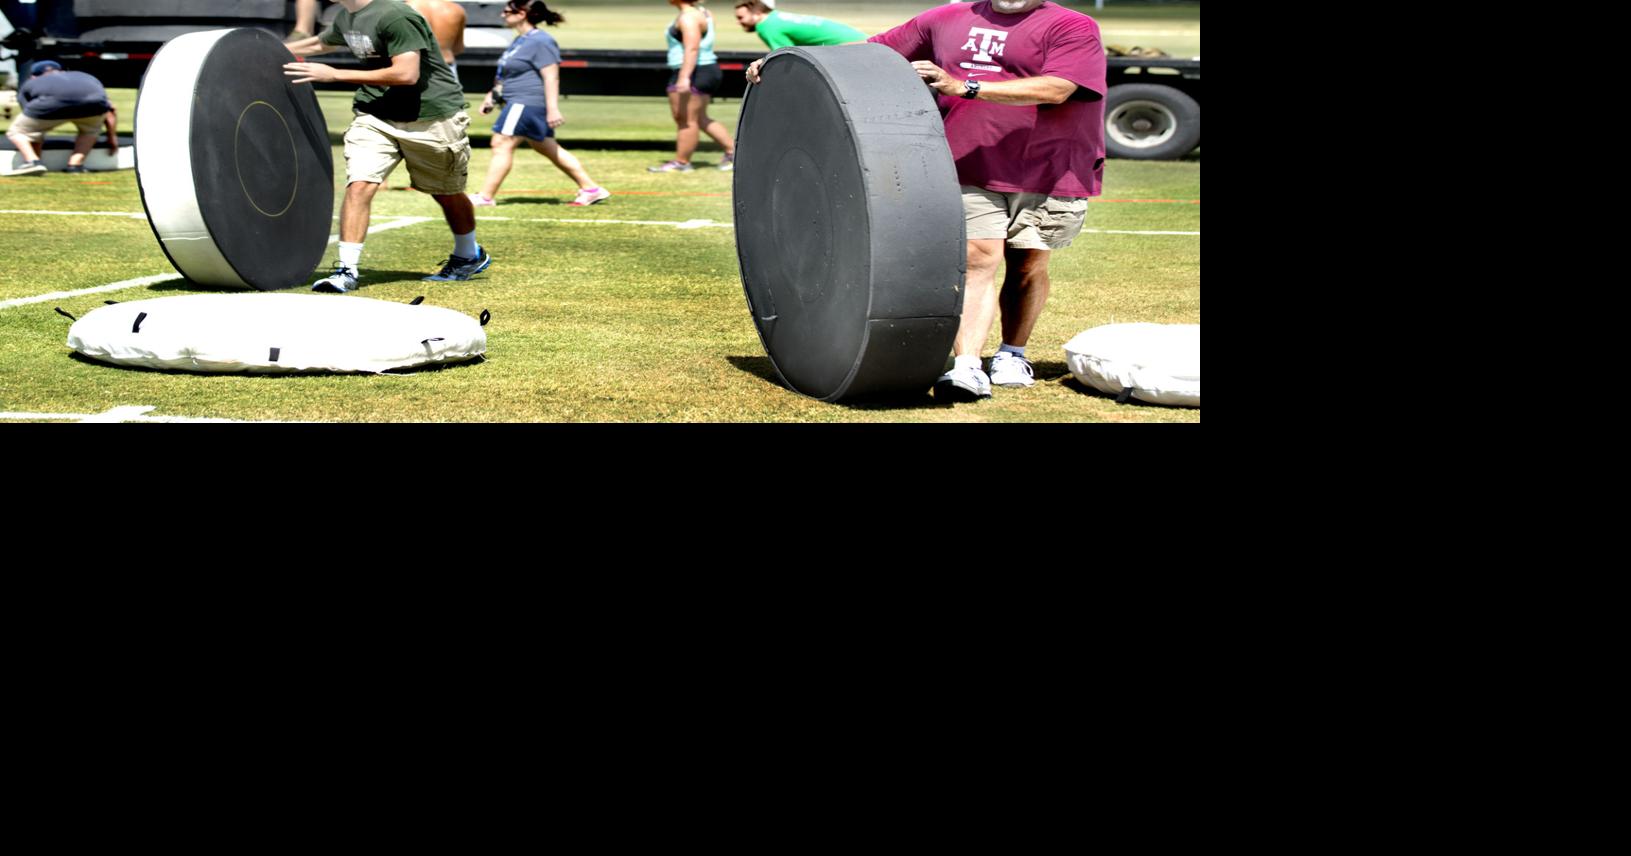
(164,165)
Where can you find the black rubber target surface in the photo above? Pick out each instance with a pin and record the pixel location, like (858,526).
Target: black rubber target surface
(254,156)
(849,222)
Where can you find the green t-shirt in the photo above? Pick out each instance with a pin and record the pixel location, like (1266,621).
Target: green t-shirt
(781,29)
(384,29)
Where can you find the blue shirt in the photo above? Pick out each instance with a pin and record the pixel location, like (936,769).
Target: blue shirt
(705,50)
(63,95)
(519,67)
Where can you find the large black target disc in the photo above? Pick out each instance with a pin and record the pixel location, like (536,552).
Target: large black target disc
(233,161)
(849,222)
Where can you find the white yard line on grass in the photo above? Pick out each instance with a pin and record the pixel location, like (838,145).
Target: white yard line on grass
(128,413)
(166,277)
(131,215)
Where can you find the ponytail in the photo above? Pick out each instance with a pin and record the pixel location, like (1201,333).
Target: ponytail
(538,13)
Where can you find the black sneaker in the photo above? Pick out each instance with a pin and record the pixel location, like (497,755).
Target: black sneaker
(73,168)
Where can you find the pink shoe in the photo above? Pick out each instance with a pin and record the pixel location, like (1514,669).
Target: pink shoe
(590,195)
(480,201)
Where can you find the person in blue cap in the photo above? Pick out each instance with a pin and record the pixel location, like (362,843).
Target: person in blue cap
(51,97)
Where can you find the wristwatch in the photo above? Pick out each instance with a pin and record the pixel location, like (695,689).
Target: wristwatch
(973,87)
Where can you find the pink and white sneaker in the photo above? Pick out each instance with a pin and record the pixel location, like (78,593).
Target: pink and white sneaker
(590,195)
(480,201)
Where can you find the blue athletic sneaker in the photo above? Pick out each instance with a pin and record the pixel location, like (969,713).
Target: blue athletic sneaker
(456,268)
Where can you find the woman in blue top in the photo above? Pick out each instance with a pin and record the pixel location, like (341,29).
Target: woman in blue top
(528,83)
(691,85)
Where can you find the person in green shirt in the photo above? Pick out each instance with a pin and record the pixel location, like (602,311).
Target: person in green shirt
(408,106)
(779,29)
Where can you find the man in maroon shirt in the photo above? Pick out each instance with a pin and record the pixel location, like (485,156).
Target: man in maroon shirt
(1020,86)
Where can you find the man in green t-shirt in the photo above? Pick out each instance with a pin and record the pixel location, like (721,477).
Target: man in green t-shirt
(408,106)
(779,29)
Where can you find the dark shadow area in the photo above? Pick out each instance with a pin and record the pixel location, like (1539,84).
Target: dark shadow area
(1072,383)
(1048,370)
(895,401)
(535,200)
(374,276)
(438,367)
(762,368)
(432,367)
(189,285)
(759,366)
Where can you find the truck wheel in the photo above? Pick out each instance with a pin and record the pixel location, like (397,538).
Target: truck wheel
(1147,121)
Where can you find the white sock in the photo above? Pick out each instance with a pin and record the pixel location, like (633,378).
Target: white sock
(464,246)
(1018,352)
(969,362)
(350,255)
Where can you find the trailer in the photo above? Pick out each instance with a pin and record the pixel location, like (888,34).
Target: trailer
(1152,110)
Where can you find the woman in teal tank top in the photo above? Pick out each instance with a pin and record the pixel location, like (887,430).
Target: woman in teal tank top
(692,82)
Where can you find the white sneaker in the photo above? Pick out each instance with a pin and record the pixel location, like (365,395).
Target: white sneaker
(1011,370)
(342,280)
(590,195)
(480,201)
(968,384)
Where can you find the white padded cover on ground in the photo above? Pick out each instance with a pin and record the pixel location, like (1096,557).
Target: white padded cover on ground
(56,160)
(1161,362)
(276,333)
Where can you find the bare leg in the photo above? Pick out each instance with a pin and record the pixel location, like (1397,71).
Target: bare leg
(712,127)
(305,17)
(563,160)
(82,147)
(354,212)
(685,118)
(1025,286)
(503,158)
(979,296)
(460,214)
(25,146)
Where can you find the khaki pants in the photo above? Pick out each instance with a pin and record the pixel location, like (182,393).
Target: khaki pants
(437,151)
(34,129)
(1027,221)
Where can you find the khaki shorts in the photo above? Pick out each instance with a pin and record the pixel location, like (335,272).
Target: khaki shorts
(437,151)
(1027,221)
(34,129)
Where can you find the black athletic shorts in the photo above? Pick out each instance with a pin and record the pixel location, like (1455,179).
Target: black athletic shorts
(705,79)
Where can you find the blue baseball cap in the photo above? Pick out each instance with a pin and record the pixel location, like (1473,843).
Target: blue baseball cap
(44,66)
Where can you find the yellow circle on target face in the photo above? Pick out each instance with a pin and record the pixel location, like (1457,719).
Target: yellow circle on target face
(237,157)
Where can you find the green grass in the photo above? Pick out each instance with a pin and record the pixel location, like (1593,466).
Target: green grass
(607,322)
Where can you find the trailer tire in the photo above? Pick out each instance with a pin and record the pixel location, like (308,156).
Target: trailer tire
(1147,121)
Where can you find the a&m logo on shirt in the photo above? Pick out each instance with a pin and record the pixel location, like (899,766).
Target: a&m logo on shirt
(361,45)
(987,45)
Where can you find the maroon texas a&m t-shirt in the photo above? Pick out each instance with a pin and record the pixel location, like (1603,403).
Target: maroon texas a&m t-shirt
(1047,148)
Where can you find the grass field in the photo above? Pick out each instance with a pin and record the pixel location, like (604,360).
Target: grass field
(629,311)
